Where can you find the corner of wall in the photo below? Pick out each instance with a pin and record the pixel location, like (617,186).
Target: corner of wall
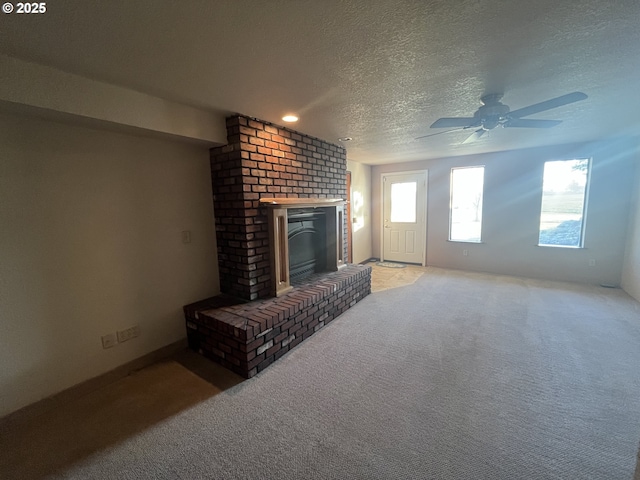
(631,265)
(360,211)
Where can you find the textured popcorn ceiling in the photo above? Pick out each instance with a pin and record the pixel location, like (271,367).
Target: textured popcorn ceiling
(378,71)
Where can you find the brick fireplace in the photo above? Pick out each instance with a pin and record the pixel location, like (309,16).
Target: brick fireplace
(262,161)
(265,174)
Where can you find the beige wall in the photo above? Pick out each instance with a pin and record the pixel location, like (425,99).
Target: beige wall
(360,210)
(53,93)
(90,243)
(631,269)
(513,189)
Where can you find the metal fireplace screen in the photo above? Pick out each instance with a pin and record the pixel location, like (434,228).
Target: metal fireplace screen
(307,234)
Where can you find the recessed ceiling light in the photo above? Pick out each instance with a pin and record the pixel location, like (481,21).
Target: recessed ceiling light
(345,139)
(290,118)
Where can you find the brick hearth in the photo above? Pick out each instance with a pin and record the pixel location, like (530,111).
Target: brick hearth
(248,337)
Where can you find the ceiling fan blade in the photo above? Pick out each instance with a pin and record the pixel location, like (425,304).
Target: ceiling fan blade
(475,136)
(449,122)
(548,104)
(531,123)
(440,133)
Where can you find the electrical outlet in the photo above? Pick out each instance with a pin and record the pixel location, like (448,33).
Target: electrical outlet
(135,331)
(128,333)
(186,236)
(109,341)
(465,252)
(592,262)
(123,335)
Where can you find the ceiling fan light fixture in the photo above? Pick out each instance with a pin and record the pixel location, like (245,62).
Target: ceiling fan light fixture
(290,118)
(490,123)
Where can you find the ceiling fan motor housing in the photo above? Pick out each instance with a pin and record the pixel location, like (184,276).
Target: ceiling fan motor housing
(491,115)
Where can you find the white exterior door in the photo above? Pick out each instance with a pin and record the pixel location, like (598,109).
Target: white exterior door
(404,207)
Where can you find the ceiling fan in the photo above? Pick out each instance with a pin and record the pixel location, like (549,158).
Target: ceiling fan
(494,113)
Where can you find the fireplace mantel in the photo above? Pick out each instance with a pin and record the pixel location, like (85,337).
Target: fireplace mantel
(279,244)
(301,202)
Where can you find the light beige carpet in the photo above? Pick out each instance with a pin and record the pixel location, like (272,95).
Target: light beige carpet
(456,376)
(50,442)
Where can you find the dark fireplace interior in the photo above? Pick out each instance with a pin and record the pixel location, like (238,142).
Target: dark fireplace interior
(307,235)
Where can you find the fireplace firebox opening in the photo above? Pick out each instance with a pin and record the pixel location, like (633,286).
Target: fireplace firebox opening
(306,237)
(307,242)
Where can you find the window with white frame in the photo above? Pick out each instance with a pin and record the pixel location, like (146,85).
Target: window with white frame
(564,194)
(465,207)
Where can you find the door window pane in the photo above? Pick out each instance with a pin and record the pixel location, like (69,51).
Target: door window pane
(564,188)
(467,186)
(403,202)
